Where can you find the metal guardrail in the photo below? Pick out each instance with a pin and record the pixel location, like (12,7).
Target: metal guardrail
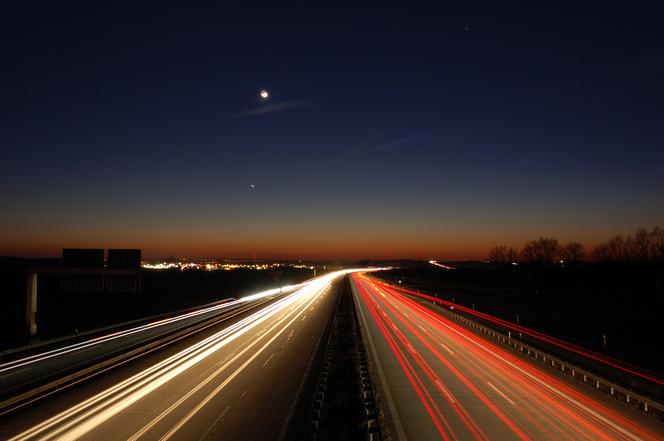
(620,393)
(316,404)
(376,426)
(13,403)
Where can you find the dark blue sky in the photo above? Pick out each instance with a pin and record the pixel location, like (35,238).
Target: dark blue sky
(409,129)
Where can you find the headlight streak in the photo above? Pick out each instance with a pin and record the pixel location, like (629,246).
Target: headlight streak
(218,389)
(198,387)
(137,381)
(551,408)
(15,364)
(87,415)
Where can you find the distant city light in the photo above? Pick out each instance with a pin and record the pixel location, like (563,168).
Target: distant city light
(213,265)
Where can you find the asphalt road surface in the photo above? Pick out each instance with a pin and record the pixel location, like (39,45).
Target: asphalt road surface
(234,381)
(442,381)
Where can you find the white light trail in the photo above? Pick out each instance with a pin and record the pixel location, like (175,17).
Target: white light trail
(116,335)
(84,417)
(433,262)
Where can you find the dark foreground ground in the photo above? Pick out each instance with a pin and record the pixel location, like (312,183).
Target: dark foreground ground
(580,304)
(64,313)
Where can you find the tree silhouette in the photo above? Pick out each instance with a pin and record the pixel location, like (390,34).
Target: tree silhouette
(641,246)
(644,246)
(512,255)
(656,239)
(573,252)
(542,250)
(498,254)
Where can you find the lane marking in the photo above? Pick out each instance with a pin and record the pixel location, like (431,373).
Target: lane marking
(444,389)
(501,394)
(219,419)
(446,348)
(268,360)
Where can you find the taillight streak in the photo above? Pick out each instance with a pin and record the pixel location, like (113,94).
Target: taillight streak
(533,380)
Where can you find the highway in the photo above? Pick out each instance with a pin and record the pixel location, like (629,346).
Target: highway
(439,380)
(235,381)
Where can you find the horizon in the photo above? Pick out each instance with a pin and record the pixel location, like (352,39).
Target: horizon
(480,256)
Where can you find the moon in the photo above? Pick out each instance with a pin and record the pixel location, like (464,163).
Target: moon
(264,94)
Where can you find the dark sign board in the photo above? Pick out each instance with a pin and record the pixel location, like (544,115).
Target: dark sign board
(84,258)
(84,270)
(124,259)
(123,282)
(130,259)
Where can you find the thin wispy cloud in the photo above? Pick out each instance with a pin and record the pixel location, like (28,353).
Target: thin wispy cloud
(396,142)
(343,157)
(346,155)
(273,108)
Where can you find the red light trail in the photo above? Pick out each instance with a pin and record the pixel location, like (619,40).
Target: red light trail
(470,388)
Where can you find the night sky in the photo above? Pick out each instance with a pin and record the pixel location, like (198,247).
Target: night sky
(404,130)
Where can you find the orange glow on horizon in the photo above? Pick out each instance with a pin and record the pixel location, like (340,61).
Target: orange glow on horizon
(320,249)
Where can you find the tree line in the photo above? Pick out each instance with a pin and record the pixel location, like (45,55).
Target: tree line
(643,246)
